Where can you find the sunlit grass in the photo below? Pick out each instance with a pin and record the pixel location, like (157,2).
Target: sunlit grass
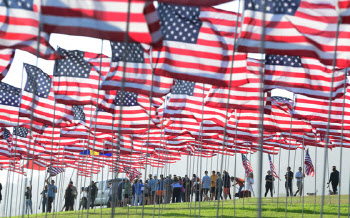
(229,208)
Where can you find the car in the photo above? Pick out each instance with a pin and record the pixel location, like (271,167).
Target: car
(104,190)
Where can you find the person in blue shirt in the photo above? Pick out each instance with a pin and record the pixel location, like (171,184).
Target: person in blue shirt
(152,185)
(138,193)
(51,193)
(160,190)
(206,185)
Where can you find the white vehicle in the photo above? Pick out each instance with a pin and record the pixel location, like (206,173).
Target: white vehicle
(104,191)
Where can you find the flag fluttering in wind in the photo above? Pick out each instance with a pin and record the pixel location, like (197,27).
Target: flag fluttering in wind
(246,164)
(309,167)
(273,169)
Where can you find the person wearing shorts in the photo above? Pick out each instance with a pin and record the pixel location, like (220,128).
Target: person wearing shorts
(152,185)
(299,176)
(213,178)
(160,190)
(206,185)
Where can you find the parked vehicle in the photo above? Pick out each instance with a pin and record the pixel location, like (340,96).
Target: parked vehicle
(104,190)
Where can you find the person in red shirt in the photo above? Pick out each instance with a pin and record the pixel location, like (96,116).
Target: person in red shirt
(240,182)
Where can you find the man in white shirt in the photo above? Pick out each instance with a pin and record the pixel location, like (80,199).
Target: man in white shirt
(300,177)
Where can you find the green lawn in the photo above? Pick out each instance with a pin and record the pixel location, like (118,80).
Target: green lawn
(246,208)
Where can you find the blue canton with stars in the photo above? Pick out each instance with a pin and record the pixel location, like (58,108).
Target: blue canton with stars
(20,131)
(180,23)
(279,98)
(38,82)
(134,52)
(7,134)
(126,99)
(288,7)
(183,87)
(20,4)
(79,112)
(9,95)
(283,60)
(73,65)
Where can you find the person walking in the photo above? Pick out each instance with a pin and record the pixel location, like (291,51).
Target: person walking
(250,182)
(269,183)
(300,177)
(227,185)
(187,186)
(240,183)
(74,195)
(334,179)
(44,198)
(289,181)
(52,190)
(28,195)
(92,194)
(206,186)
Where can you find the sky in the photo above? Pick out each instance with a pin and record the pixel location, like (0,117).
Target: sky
(233,164)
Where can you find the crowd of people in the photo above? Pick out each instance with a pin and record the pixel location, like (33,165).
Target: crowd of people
(173,189)
(170,189)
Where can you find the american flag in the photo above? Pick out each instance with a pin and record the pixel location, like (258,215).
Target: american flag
(43,106)
(246,164)
(54,170)
(5,140)
(246,96)
(138,75)
(300,75)
(10,98)
(195,3)
(134,116)
(309,167)
(207,32)
(296,27)
(316,109)
(104,19)
(78,75)
(6,57)
(272,168)
(21,19)
(344,6)
(132,173)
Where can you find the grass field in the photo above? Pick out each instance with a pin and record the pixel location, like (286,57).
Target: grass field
(246,208)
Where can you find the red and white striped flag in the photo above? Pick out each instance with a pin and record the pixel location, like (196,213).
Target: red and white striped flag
(344,7)
(302,75)
(78,76)
(247,166)
(198,45)
(104,19)
(297,27)
(20,22)
(6,57)
(43,106)
(55,170)
(309,167)
(139,75)
(272,168)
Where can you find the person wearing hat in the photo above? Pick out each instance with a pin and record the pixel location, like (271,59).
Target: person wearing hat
(269,183)
(334,179)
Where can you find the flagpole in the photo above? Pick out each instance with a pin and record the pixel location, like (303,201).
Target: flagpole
(315,171)
(341,140)
(279,170)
